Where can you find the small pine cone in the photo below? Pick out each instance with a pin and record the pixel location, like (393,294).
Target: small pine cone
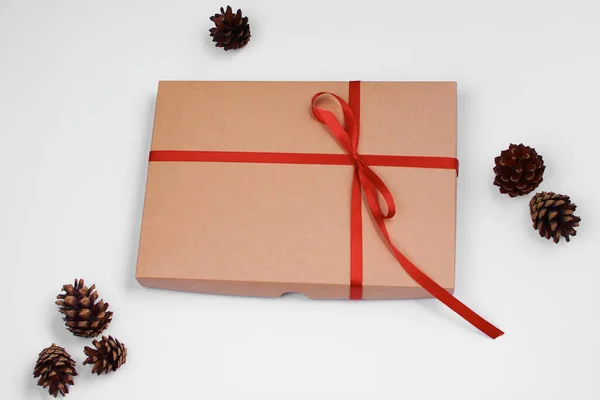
(552,215)
(519,170)
(108,356)
(56,370)
(83,316)
(231,31)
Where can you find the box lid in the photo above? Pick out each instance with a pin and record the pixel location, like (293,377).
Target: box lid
(267,229)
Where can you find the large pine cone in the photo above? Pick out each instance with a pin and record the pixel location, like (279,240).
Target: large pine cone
(108,356)
(552,216)
(231,31)
(519,170)
(83,316)
(56,370)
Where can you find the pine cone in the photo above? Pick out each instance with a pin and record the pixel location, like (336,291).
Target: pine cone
(108,356)
(231,30)
(552,216)
(519,170)
(56,370)
(83,316)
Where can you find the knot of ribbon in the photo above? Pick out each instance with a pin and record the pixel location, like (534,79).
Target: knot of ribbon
(348,138)
(366,181)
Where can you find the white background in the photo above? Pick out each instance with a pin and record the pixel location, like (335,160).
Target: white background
(78,80)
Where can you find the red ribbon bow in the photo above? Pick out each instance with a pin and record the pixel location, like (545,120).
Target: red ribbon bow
(367,181)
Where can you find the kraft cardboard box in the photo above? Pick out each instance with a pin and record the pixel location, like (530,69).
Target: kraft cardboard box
(242,221)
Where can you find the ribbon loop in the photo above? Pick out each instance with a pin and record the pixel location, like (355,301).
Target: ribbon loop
(344,136)
(373,187)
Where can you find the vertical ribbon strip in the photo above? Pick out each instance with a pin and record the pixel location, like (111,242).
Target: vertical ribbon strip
(366,181)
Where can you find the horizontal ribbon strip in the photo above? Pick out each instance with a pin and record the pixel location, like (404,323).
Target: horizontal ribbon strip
(302,158)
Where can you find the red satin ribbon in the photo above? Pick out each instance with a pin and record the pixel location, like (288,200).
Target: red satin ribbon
(374,188)
(365,180)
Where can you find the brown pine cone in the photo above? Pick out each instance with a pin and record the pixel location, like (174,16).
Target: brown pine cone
(231,31)
(519,170)
(83,316)
(108,356)
(552,216)
(56,370)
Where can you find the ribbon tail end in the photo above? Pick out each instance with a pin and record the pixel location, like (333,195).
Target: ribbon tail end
(497,334)
(488,329)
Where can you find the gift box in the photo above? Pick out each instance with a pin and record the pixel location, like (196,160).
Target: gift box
(336,190)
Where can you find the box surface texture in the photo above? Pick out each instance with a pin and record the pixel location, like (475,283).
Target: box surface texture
(269,228)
